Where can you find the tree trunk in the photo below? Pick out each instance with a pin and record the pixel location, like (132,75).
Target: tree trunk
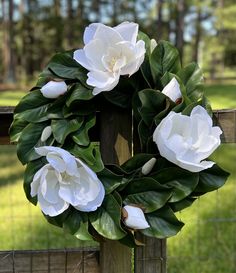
(70,27)
(159,19)
(198,30)
(58,25)
(180,26)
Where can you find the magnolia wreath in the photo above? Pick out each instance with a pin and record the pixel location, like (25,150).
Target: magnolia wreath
(117,67)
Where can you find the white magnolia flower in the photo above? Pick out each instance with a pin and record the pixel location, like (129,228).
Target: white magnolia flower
(172,90)
(148,166)
(188,140)
(65,181)
(53,89)
(47,131)
(135,218)
(110,52)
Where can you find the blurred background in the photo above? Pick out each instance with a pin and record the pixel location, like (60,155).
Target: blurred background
(31,31)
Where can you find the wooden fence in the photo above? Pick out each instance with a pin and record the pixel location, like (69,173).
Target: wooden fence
(114,132)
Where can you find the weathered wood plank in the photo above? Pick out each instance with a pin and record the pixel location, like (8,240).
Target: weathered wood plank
(226,119)
(116,147)
(53,261)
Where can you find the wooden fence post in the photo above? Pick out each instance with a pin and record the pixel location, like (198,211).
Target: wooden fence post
(116,147)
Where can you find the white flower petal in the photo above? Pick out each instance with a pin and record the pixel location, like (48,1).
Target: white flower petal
(53,90)
(47,131)
(135,218)
(107,34)
(128,31)
(172,90)
(90,31)
(80,57)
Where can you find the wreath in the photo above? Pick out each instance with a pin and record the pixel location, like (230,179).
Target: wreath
(117,67)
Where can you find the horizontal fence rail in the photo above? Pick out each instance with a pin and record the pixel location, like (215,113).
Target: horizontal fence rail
(53,261)
(226,119)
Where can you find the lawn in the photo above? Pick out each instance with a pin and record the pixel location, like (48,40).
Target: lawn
(205,245)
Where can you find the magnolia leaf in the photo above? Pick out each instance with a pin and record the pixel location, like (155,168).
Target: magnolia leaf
(163,223)
(90,155)
(211,179)
(33,107)
(182,182)
(81,136)
(16,128)
(77,224)
(164,58)
(192,78)
(106,219)
(62,128)
(28,140)
(149,201)
(110,180)
(31,169)
(59,219)
(65,67)
(136,162)
(153,102)
(184,203)
(79,92)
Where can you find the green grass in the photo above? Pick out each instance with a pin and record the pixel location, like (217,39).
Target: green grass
(10,98)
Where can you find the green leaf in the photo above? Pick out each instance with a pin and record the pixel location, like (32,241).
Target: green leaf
(91,155)
(164,58)
(110,180)
(58,220)
(65,67)
(148,200)
(153,102)
(33,107)
(211,179)
(185,203)
(182,182)
(31,169)
(79,92)
(28,140)
(77,224)
(192,78)
(163,224)
(16,128)
(106,219)
(136,162)
(62,128)
(81,136)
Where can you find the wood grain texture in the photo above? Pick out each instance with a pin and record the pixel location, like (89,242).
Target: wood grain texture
(53,261)
(116,147)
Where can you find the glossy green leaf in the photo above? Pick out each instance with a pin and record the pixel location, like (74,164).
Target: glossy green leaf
(136,162)
(164,58)
(163,224)
(153,102)
(28,140)
(110,180)
(90,155)
(33,107)
(16,128)
(182,182)
(79,92)
(65,67)
(77,224)
(62,128)
(106,219)
(192,78)
(31,169)
(211,179)
(148,200)
(59,219)
(81,136)
(184,203)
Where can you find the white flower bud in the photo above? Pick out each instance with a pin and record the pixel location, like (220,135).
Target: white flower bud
(148,166)
(135,218)
(47,131)
(53,89)
(153,44)
(172,90)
